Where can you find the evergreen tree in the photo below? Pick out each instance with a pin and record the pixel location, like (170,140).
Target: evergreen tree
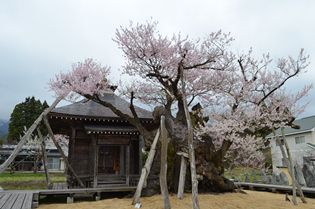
(23,115)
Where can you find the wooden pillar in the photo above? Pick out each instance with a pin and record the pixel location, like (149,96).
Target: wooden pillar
(72,148)
(140,141)
(122,160)
(95,160)
(127,164)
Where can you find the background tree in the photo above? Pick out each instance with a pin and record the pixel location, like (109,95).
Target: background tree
(241,94)
(23,115)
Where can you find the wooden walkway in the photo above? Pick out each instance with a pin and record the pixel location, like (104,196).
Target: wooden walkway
(29,199)
(16,200)
(272,187)
(112,188)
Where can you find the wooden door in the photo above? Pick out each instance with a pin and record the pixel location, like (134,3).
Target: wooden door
(109,160)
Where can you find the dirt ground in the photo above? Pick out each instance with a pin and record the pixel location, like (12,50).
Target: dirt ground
(251,200)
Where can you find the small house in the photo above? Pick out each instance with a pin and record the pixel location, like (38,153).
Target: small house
(30,157)
(301,143)
(104,149)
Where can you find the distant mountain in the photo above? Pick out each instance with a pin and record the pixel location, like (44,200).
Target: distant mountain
(4,127)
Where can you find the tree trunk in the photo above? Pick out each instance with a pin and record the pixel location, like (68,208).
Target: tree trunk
(194,181)
(44,156)
(50,132)
(146,169)
(163,169)
(28,133)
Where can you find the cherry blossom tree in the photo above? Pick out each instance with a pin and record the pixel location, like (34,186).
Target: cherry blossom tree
(241,95)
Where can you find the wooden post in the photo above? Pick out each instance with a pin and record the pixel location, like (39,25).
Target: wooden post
(163,169)
(140,152)
(127,164)
(95,168)
(190,137)
(28,133)
(291,171)
(50,132)
(72,148)
(291,167)
(44,154)
(146,169)
(182,175)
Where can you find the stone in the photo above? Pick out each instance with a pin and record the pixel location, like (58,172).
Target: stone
(70,199)
(279,178)
(283,178)
(309,175)
(275,178)
(299,175)
(247,178)
(254,176)
(264,177)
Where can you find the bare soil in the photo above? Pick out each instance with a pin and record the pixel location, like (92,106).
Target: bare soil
(251,200)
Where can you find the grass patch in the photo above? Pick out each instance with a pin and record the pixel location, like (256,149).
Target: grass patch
(28,180)
(239,174)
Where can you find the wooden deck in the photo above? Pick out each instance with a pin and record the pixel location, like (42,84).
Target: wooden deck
(16,200)
(109,188)
(29,199)
(272,187)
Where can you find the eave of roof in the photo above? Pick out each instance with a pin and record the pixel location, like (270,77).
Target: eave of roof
(90,109)
(111,130)
(306,124)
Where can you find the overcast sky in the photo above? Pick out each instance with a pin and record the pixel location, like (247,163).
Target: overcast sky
(41,38)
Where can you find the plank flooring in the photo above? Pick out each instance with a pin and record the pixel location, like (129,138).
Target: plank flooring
(272,187)
(16,200)
(59,186)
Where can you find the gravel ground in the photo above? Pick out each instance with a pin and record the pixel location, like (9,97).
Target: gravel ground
(251,200)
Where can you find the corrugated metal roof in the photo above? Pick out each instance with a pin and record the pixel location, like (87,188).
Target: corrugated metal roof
(305,124)
(90,108)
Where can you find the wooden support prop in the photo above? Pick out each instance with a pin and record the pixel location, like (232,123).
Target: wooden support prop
(50,132)
(190,139)
(290,167)
(28,133)
(163,169)
(146,169)
(182,174)
(298,186)
(44,156)
(291,171)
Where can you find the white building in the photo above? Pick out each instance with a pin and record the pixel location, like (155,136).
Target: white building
(301,143)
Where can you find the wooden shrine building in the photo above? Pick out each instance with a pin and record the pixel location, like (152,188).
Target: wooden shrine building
(104,149)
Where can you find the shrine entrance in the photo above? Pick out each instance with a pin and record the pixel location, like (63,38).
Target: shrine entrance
(109,160)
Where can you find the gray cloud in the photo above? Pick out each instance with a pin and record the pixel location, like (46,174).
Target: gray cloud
(41,38)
